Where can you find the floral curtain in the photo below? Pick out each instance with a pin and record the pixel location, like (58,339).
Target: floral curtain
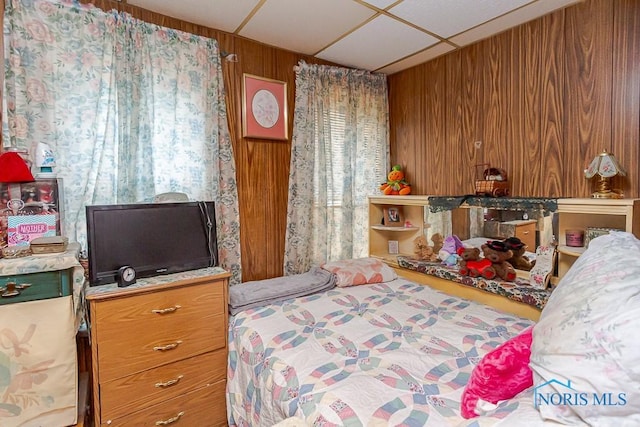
(130,109)
(339,156)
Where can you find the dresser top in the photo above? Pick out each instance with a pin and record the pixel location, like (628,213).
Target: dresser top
(149,283)
(42,262)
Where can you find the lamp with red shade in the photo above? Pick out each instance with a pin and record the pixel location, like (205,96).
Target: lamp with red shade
(14,169)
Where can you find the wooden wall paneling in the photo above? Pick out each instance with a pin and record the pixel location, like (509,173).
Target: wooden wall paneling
(551,118)
(587,90)
(497,87)
(473,109)
(626,92)
(406,111)
(435,168)
(528,110)
(458,152)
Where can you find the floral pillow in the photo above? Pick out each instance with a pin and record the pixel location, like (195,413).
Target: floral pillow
(360,271)
(585,354)
(501,374)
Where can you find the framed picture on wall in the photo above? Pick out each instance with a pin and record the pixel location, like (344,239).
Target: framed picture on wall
(264,108)
(393,216)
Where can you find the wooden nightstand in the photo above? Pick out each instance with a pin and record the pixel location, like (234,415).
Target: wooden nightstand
(159,350)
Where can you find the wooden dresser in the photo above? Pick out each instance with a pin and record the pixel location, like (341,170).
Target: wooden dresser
(159,350)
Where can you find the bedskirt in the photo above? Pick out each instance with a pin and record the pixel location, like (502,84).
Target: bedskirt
(520,290)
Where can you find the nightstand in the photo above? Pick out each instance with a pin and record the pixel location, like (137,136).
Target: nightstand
(40,313)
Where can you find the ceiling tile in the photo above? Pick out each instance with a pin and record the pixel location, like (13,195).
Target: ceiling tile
(446,18)
(227,15)
(378,43)
(513,19)
(424,56)
(381,4)
(305,26)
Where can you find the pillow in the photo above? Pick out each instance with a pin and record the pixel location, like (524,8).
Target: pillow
(360,271)
(586,353)
(501,374)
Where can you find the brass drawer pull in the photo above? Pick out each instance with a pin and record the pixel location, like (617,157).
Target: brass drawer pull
(170,420)
(166,310)
(525,232)
(169,383)
(12,289)
(167,347)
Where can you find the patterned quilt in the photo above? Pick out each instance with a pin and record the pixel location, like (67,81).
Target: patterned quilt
(393,353)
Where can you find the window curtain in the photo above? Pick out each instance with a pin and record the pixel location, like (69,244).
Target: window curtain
(130,109)
(339,156)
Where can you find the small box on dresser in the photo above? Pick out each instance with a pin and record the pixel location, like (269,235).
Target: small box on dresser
(159,350)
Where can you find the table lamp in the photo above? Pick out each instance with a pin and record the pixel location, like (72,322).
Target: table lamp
(606,167)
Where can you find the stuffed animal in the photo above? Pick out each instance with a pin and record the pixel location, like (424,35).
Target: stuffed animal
(422,250)
(437,240)
(395,182)
(450,246)
(518,260)
(496,251)
(471,264)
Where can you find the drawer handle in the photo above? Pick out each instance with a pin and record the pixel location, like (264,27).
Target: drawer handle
(169,383)
(170,420)
(525,232)
(12,289)
(166,310)
(167,347)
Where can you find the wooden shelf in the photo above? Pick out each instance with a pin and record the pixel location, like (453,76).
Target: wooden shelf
(387,228)
(571,250)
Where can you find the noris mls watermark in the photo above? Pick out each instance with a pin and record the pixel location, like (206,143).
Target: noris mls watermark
(545,394)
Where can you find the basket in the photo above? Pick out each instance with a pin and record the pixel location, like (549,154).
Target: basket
(492,181)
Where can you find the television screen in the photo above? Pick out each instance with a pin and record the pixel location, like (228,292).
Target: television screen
(154,239)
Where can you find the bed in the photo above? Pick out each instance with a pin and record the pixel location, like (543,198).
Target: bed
(394,352)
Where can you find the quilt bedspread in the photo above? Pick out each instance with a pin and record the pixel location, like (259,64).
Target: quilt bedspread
(393,353)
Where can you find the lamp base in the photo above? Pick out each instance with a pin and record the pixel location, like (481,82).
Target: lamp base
(606,195)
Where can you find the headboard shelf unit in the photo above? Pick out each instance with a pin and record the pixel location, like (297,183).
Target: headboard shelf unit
(413,210)
(587,214)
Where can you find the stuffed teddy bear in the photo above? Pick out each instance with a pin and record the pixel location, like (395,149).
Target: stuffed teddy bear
(496,251)
(422,250)
(471,264)
(437,240)
(518,260)
(395,183)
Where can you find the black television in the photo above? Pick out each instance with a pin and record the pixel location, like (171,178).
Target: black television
(153,238)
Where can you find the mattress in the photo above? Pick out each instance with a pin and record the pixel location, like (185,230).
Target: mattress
(393,353)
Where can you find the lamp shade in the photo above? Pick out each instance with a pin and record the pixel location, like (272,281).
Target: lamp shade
(13,168)
(605,165)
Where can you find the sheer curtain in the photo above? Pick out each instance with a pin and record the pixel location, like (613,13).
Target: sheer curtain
(339,156)
(130,109)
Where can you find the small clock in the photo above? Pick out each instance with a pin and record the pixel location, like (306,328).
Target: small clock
(126,276)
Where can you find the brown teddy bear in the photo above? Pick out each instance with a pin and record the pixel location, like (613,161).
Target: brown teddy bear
(518,260)
(437,240)
(471,264)
(496,251)
(422,250)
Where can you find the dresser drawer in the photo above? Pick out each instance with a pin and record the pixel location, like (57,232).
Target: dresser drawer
(144,389)
(527,235)
(44,285)
(201,408)
(143,331)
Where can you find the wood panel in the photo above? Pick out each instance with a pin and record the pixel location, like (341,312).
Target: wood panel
(544,98)
(587,90)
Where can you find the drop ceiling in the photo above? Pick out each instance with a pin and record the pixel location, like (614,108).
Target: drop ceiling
(377,35)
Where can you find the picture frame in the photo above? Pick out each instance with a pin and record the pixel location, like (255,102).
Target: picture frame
(393,216)
(264,108)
